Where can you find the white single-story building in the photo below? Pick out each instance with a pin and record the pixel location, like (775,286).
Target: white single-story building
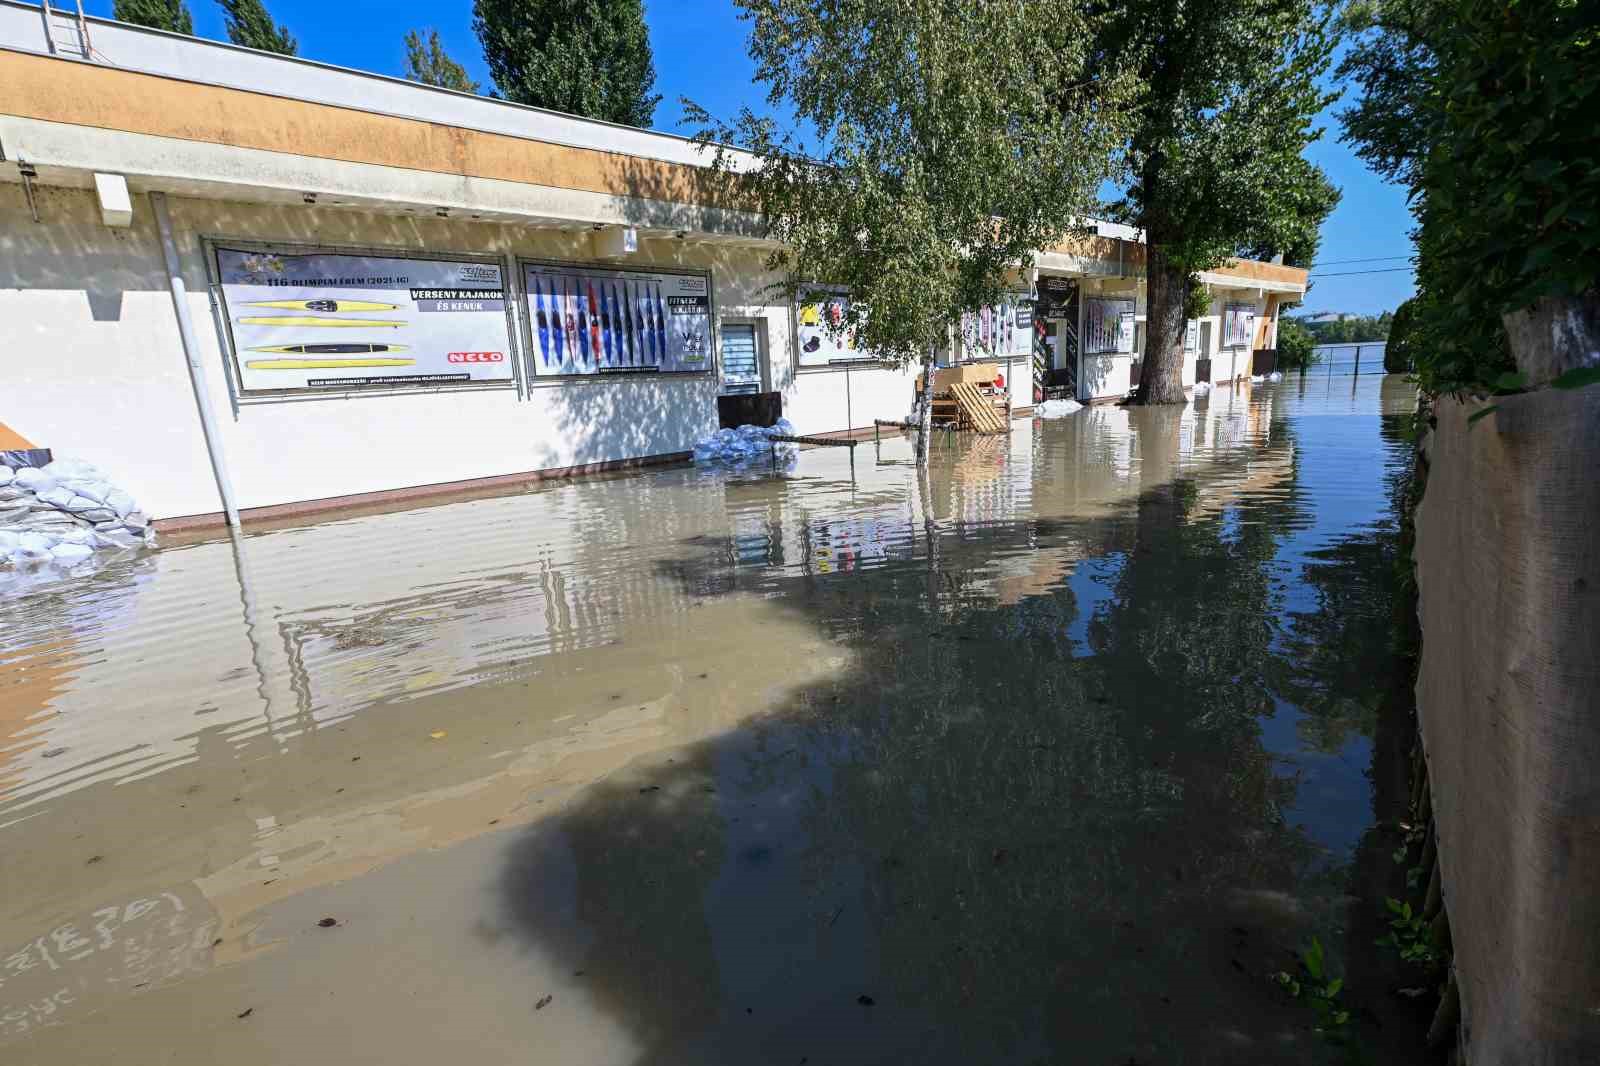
(231,277)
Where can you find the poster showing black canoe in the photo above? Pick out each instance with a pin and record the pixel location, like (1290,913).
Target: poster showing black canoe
(590,320)
(338,320)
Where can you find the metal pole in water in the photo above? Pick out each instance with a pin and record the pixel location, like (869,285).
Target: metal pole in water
(849,415)
(191,351)
(1358,360)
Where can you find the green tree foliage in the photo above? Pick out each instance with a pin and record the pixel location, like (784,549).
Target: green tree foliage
(584,57)
(1352,329)
(1400,355)
(1485,109)
(427,62)
(1213,159)
(955,140)
(1309,198)
(170,15)
(1295,345)
(249,25)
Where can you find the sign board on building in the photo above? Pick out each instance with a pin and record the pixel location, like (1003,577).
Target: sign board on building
(1055,297)
(593,320)
(1108,325)
(824,331)
(309,319)
(1237,325)
(1002,330)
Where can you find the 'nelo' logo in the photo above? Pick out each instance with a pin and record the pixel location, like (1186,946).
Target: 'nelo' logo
(477,357)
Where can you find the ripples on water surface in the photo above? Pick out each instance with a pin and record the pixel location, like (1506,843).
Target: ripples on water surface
(713,759)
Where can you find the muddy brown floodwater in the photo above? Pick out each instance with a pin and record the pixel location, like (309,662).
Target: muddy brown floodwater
(708,767)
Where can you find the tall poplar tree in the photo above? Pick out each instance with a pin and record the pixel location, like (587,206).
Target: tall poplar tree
(170,15)
(584,57)
(427,62)
(1213,163)
(249,25)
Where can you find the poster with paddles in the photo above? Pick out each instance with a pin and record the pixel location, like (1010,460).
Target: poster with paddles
(595,320)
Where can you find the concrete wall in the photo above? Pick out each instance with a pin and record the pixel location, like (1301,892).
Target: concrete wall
(1507,568)
(95,369)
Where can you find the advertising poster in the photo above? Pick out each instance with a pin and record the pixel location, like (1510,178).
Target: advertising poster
(823,337)
(1237,322)
(321,320)
(589,320)
(1056,296)
(1191,335)
(998,332)
(1108,325)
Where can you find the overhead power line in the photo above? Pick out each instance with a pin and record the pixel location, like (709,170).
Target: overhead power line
(1352,273)
(1374,259)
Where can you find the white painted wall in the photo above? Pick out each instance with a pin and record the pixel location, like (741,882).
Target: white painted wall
(1104,376)
(94,367)
(814,400)
(1230,363)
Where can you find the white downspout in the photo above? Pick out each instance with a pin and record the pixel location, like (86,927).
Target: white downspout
(191,349)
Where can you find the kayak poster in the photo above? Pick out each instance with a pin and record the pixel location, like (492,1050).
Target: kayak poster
(335,320)
(590,320)
(824,334)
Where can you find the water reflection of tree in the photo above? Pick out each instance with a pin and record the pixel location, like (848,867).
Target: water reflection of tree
(1067,849)
(1336,655)
(1050,838)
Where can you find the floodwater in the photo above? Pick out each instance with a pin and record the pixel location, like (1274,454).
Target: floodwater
(1055,757)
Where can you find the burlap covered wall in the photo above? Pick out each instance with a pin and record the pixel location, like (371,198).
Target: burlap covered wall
(1508,568)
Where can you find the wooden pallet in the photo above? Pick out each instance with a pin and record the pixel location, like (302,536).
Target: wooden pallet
(976,410)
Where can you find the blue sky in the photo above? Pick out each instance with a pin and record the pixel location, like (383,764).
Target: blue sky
(700,53)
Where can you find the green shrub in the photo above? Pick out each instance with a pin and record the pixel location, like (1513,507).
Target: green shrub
(1399,356)
(1296,345)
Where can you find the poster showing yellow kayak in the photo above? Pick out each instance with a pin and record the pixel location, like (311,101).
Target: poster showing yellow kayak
(323,364)
(346,314)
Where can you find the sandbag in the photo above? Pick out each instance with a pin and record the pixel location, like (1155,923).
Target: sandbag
(35,480)
(1057,408)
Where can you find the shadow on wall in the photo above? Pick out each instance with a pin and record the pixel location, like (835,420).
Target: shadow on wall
(1096,371)
(70,249)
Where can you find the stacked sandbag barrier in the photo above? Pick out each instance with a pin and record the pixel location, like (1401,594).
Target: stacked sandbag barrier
(746,444)
(64,513)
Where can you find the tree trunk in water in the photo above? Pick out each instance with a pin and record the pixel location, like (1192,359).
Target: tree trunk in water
(1555,335)
(925,415)
(1162,378)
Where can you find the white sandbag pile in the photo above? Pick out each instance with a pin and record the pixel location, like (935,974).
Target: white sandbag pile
(1202,388)
(64,513)
(1056,408)
(745,444)
(1276,375)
